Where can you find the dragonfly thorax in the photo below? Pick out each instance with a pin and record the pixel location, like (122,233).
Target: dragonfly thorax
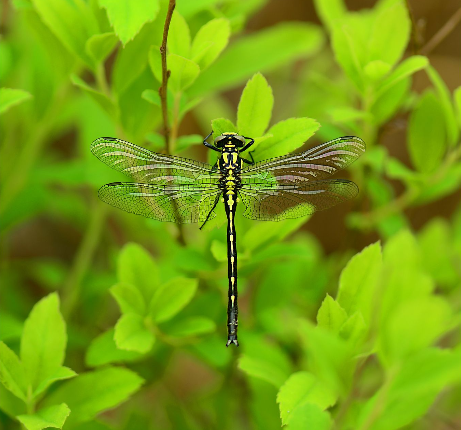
(229,139)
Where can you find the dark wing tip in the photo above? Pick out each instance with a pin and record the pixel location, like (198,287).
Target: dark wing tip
(355,139)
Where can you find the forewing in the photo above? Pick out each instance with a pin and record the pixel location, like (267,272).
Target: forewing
(146,166)
(175,203)
(278,202)
(312,165)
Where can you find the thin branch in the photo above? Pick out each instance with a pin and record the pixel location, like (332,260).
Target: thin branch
(165,75)
(442,33)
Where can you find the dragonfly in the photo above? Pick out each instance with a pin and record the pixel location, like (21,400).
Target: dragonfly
(183,190)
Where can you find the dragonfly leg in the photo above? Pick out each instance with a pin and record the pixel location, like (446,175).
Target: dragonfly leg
(248,161)
(209,145)
(211,211)
(248,144)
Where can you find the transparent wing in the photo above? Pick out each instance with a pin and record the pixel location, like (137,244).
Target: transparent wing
(176,203)
(312,165)
(146,166)
(277,202)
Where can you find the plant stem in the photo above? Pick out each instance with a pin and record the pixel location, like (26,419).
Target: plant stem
(165,75)
(73,285)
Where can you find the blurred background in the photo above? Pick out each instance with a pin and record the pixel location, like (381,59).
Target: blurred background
(57,236)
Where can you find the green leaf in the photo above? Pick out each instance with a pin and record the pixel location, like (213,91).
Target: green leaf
(59,375)
(359,280)
(184,142)
(132,334)
(53,416)
(192,326)
(262,51)
(309,416)
(136,267)
(10,97)
(72,22)
(331,315)
(301,388)
(153,97)
(219,250)
(330,11)
(347,53)
(265,361)
(264,232)
(129,298)
(410,329)
(330,357)
(12,372)
(426,134)
(222,125)
(391,31)
(179,36)
(103,350)
(376,70)
(447,106)
(255,107)
(44,340)
(171,298)
(128,17)
(405,69)
(155,62)
(411,392)
(210,41)
(100,98)
(94,392)
(387,104)
(354,329)
(99,46)
(183,72)
(132,59)
(457,97)
(10,404)
(287,136)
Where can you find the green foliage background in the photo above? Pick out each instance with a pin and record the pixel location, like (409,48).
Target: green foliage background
(112,321)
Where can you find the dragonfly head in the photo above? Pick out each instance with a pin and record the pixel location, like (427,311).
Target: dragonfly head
(229,138)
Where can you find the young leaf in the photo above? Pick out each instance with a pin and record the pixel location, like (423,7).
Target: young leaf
(255,107)
(155,62)
(457,97)
(128,17)
(390,100)
(192,326)
(210,41)
(426,134)
(171,297)
(136,267)
(183,72)
(72,22)
(354,329)
(301,388)
(331,315)
(100,98)
(129,298)
(12,372)
(409,329)
(265,361)
(405,69)
(44,340)
(359,280)
(10,97)
(179,36)
(447,106)
(53,416)
(330,357)
(330,11)
(309,416)
(287,136)
(263,51)
(94,392)
(131,334)
(59,374)
(221,125)
(391,31)
(99,46)
(103,350)
(376,70)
